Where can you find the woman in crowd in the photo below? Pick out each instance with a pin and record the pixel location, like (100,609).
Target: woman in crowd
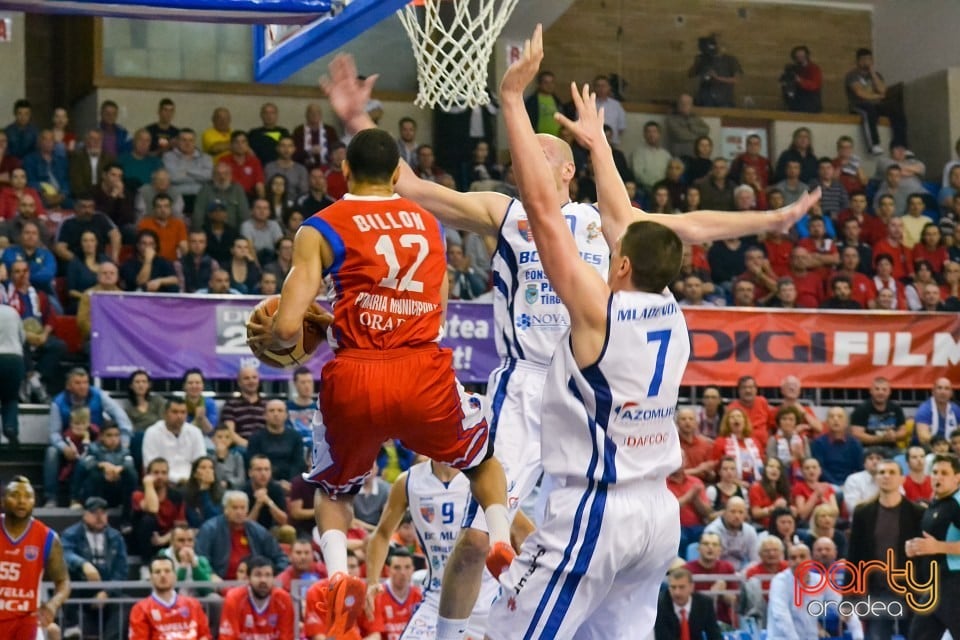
(660,202)
(291,222)
(787,443)
(823,524)
(800,150)
(727,486)
(144,408)
(736,442)
(808,493)
(770,493)
(201,410)
(922,276)
(931,249)
(203,493)
(82,271)
(783,525)
(700,164)
(278,195)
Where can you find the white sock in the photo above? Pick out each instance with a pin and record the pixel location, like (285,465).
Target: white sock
(333,546)
(498,523)
(451,629)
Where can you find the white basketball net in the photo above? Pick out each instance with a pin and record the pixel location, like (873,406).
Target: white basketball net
(453,51)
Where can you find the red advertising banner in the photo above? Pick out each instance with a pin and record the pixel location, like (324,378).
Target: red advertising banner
(823,349)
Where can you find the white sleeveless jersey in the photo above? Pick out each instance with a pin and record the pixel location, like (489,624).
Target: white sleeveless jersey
(613,421)
(437,510)
(528,314)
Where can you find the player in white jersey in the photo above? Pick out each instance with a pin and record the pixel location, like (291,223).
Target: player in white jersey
(437,497)
(594,568)
(525,340)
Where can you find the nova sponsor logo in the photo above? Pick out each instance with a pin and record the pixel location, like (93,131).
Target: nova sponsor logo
(542,321)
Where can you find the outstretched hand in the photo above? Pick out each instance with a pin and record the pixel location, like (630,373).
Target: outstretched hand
(588,127)
(790,214)
(523,71)
(348,95)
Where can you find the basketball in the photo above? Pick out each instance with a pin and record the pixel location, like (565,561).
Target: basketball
(313,334)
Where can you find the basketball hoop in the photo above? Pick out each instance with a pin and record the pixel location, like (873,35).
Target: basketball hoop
(452,41)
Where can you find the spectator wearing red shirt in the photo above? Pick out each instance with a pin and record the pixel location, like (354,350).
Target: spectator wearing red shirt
(771,492)
(258,611)
(790,391)
(807,79)
(886,280)
(810,492)
(315,609)
(872,229)
(752,158)
(10,196)
(709,563)
(394,601)
(156,509)
(778,247)
(808,281)
(771,563)
(917,486)
(787,444)
(735,442)
(303,567)
(850,239)
(336,181)
(930,248)
(694,506)
(862,288)
(697,449)
(760,273)
(850,172)
(166,614)
(755,406)
(246,168)
(894,247)
(824,255)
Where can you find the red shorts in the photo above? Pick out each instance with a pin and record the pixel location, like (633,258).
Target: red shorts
(24,628)
(369,396)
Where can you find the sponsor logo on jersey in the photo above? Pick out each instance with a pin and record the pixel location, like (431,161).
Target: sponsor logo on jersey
(531,294)
(593,231)
(523,226)
(542,321)
(428,512)
(534,565)
(31,552)
(248,622)
(155,614)
(185,612)
(633,412)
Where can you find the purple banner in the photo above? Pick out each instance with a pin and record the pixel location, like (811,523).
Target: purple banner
(168,334)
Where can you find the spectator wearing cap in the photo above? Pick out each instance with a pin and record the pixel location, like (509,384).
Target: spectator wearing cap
(221,187)
(94,552)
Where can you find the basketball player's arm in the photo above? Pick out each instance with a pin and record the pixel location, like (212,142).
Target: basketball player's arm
(379,543)
(480,212)
(55,570)
(578,284)
(693,228)
(311,255)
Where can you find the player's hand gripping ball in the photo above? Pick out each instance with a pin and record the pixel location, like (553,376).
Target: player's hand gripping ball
(315,324)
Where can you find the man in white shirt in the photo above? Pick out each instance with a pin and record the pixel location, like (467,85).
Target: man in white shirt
(175,440)
(862,486)
(649,160)
(613,114)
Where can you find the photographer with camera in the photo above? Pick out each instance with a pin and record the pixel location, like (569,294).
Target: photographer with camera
(801,81)
(718,73)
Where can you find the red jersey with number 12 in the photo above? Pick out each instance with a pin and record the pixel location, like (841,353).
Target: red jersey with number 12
(21,568)
(388,268)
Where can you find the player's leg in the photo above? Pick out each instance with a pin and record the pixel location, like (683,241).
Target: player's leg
(520,528)
(423,622)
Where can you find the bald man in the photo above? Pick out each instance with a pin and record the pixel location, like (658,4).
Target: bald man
(739,539)
(938,416)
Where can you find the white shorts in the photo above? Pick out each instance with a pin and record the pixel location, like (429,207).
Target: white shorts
(515,392)
(423,623)
(594,569)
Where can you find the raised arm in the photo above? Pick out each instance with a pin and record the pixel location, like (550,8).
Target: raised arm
(480,212)
(577,284)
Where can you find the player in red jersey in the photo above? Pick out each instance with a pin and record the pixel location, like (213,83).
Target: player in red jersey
(394,604)
(259,611)
(315,607)
(29,553)
(389,378)
(166,614)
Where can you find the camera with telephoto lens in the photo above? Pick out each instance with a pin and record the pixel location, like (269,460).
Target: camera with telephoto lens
(788,80)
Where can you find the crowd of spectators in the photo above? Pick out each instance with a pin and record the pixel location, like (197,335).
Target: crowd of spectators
(217,488)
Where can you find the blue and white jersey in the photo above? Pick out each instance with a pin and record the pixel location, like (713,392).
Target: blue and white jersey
(528,314)
(613,421)
(437,510)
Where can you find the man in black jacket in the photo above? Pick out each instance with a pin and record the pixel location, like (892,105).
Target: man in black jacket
(882,524)
(680,607)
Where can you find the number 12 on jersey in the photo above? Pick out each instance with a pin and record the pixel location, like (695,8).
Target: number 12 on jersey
(385,248)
